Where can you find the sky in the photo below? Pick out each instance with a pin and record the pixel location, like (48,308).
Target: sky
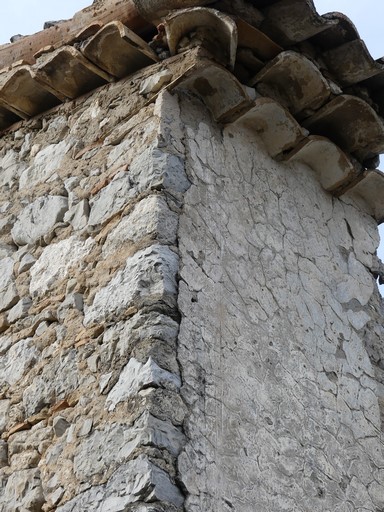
(28,16)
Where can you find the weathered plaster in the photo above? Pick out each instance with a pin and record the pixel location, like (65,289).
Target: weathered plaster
(276,296)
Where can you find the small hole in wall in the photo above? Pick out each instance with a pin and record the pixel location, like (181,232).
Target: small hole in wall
(349,229)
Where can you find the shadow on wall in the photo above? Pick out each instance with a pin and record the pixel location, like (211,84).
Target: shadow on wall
(380,252)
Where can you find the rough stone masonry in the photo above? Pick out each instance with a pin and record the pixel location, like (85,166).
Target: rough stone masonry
(186,324)
(91,414)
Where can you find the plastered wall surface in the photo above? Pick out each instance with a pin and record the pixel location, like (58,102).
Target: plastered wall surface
(281,340)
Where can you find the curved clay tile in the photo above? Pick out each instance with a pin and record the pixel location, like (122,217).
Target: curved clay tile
(7,116)
(209,28)
(118,51)
(263,3)
(66,31)
(351,63)
(374,83)
(253,50)
(20,90)
(378,98)
(338,34)
(334,169)
(375,89)
(221,92)
(155,10)
(295,82)
(293,21)
(261,45)
(240,9)
(352,124)
(69,73)
(278,130)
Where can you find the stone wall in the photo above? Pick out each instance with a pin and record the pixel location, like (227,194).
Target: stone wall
(185,324)
(90,411)
(281,340)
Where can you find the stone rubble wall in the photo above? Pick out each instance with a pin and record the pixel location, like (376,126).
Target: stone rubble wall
(281,342)
(90,410)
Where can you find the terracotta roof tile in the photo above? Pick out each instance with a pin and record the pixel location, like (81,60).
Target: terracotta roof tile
(304,69)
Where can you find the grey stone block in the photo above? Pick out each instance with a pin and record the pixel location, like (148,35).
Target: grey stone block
(17,360)
(4,410)
(23,491)
(8,291)
(11,168)
(55,262)
(38,219)
(111,199)
(78,215)
(60,426)
(136,481)
(151,217)
(154,168)
(136,376)
(46,163)
(122,441)
(3,454)
(149,274)
(26,262)
(20,310)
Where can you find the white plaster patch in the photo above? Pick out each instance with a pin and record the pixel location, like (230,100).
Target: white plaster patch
(275,366)
(358,319)
(155,82)
(358,284)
